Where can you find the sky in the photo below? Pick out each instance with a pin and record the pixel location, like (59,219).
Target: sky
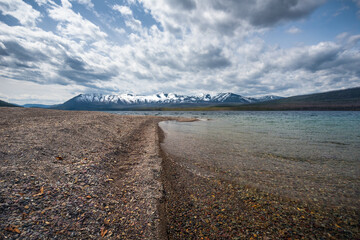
(53,50)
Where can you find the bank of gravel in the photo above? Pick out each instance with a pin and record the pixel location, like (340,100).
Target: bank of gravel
(83,175)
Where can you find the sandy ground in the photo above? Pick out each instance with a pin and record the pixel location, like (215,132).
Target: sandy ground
(82,175)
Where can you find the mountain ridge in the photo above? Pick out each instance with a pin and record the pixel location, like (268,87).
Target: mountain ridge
(336,100)
(6,104)
(107,101)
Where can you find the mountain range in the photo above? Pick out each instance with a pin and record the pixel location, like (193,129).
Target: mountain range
(346,99)
(126,101)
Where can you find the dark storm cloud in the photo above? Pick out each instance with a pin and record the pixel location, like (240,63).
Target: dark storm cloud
(213,58)
(77,70)
(22,65)
(20,53)
(174,30)
(75,63)
(325,59)
(271,12)
(141,76)
(228,16)
(85,77)
(183,4)
(267,13)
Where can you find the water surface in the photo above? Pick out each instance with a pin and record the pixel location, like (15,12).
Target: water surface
(313,156)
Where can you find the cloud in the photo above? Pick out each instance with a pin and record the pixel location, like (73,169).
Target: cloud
(52,59)
(341,10)
(267,13)
(183,4)
(358,4)
(41,2)
(73,24)
(326,65)
(20,10)
(294,30)
(87,3)
(66,3)
(211,58)
(130,21)
(227,17)
(75,64)
(189,46)
(120,30)
(124,10)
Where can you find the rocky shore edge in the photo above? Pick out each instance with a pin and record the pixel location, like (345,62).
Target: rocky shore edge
(83,175)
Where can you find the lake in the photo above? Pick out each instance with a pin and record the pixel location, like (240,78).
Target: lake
(311,156)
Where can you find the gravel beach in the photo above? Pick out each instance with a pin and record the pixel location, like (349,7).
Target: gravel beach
(93,175)
(83,175)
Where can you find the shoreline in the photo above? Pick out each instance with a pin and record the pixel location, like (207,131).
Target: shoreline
(68,174)
(212,206)
(93,174)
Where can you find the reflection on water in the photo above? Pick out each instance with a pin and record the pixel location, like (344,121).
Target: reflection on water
(306,155)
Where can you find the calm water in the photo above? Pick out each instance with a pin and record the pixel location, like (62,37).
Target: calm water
(303,155)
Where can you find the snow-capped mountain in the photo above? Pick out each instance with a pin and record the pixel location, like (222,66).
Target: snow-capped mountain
(86,101)
(267,98)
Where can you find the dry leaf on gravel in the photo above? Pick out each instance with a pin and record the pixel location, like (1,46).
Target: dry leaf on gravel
(12,228)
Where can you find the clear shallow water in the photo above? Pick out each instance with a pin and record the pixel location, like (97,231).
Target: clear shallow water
(303,155)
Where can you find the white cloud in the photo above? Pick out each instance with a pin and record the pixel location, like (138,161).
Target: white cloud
(41,2)
(131,2)
(294,30)
(73,24)
(66,4)
(87,3)
(124,10)
(120,30)
(130,21)
(21,11)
